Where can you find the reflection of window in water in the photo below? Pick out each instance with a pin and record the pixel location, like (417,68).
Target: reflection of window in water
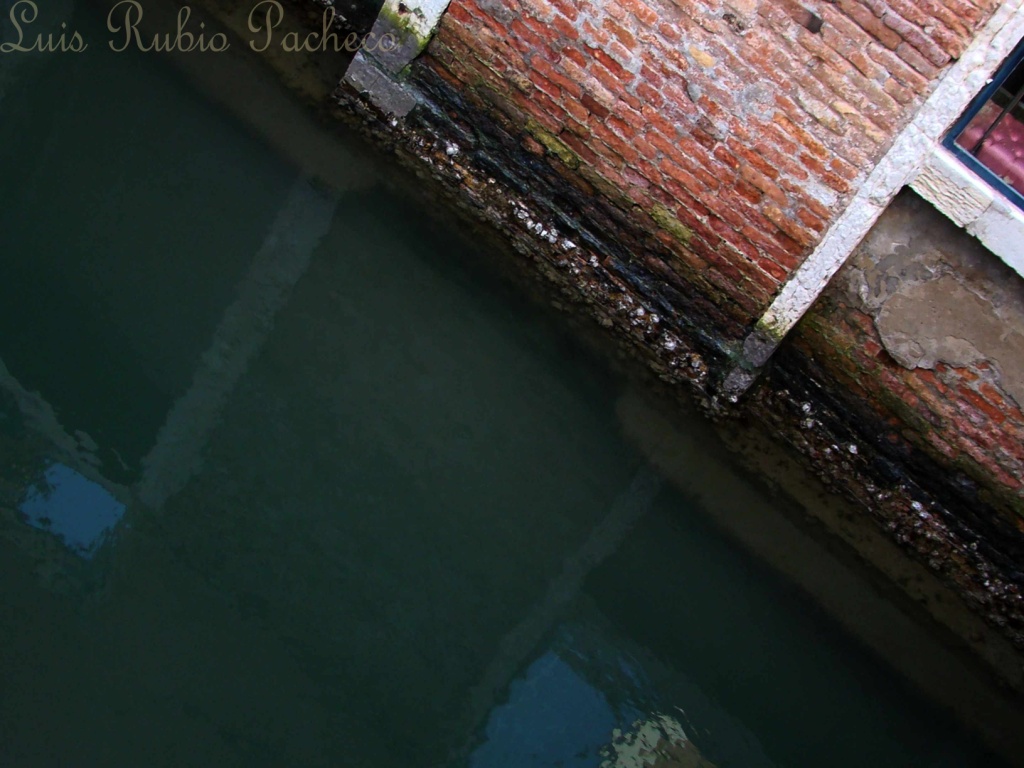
(989,137)
(555,715)
(72,507)
(658,742)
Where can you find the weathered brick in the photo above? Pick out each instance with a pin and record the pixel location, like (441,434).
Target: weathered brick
(612,82)
(843,169)
(566,8)
(917,61)
(741,135)
(620,73)
(523,39)
(916,38)
(595,37)
(966,10)
(763,183)
(650,96)
(553,75)
(936,20)
(750,156)
(619,146)
(789,226)
(575,57)
(580,147)
(621,33)
(748,192)
(641,11)
(810,144)
(870,23)
(670,32)
(615,10)
(877,7)
(568,34)
(898,68)
(983,405)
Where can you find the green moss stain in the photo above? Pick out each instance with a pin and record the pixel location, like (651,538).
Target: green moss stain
(775,331)
(599,183)
(553,144)
(667,221)
(403,28)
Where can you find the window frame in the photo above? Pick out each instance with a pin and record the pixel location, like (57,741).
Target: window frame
(1015,59)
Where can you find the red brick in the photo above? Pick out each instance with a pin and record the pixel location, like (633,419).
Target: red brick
(596,108)
(917,61)
(459,12)
(571,87)
(870,23)
(670,32)
(810,220)
(580,147)
(641,11)
(748,192)
(595,37)
(762,182)
(622,34)
(649,95)
(898,68)
(608,79)
(575,56)
(621,128)
(566,31)
(993,395)
(916,38)
(621,147)
(802,137)
(751,157)
(522,39)
(566,8)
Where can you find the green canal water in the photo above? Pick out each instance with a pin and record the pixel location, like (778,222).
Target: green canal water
(286,480)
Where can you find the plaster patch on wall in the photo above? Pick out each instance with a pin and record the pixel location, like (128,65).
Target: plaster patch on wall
(937,295)
(940,320)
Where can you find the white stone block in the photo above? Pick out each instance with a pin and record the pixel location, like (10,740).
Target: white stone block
(953,188)
(1001,229)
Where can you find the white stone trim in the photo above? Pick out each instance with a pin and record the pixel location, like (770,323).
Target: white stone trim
(408,25)
(1001,229)
(909,151)
(952,188)
(422,16)
(970,202)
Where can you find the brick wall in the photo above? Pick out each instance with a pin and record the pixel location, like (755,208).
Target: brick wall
(698,152)
(961,413)
(957,415)
(732,130)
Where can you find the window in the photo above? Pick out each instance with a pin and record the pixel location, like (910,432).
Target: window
(989,137)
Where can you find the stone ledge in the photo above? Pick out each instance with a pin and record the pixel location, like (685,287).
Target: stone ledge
(971,203)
